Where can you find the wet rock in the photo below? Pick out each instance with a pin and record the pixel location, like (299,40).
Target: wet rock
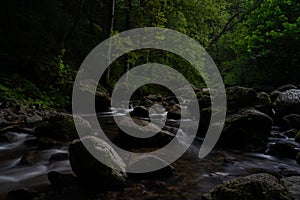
(287,103)
(174,112)
(155,97)
(239,97)
(203,99)
(293,185)
(274,95)
(263,103)
(290,133)
(205,116)
(286,87)
(283,149)
(292,121)
(59,157)
(62,127)
(61,181)
(140,111)
(249,127)
(29,158)
(139,164)
(253,187)
(22,193)
(92,173)
(45,143)
(125,140)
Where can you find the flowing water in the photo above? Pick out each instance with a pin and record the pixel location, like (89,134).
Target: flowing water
(195,176)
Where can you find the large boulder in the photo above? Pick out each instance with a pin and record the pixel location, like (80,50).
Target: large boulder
(263,103)
(140,111)
(288,102)
(239,97)
(174,112)
(249,127)
(253,187)
(283,149)
(292,183)
(160,139)
(92,173)
(62,127)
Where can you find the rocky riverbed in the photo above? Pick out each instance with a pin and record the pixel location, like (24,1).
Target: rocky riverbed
(39,151)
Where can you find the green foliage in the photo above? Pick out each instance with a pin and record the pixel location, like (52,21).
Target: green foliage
(271,45)
(45,41)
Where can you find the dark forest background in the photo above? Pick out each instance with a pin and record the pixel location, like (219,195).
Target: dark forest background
(254,43)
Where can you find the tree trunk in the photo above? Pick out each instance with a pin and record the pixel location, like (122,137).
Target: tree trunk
(128,26)
(111,32)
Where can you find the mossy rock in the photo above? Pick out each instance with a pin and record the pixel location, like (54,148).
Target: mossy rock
(239,97)
(283,149)
(29,158)
(263,103)
(247,128)
(287,102)
(91,172)
(253,187)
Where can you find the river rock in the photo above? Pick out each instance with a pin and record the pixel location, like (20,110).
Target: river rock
(22,193)
(59,157)
(29,158)
(292,121)
(239,97)
(257,186)
(286,87)
(287,103)
(45,143)
(61,181)
(174,112)
(91,172)
(249,127)
(203,99)
(61,127)
(293,185)
(284,149)
(160,138)
(167,171)
(155,97)
(274,95)
(140,111)
(263,103)
(205,116)
(290,133)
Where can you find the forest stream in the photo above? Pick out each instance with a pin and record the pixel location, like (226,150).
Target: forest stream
(194,176)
